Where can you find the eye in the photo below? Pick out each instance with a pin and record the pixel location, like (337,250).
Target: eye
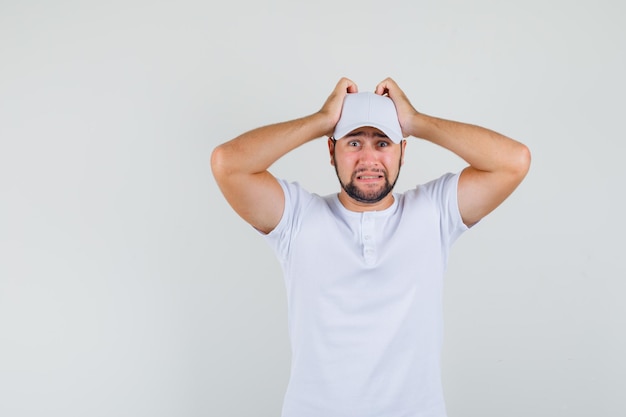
(353,143)
(383,144)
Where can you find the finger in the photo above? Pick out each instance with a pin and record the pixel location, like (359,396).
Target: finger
(386,87)
(382,90)
(346,85)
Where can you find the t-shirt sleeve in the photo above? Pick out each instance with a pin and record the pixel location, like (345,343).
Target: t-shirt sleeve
(296,201)
(443,192)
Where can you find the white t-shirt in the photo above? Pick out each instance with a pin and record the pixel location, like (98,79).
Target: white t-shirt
(364,297)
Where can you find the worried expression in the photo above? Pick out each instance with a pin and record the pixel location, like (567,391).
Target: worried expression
(367,164)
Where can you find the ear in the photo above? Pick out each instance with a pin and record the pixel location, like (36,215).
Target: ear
(403,145)
(331,151)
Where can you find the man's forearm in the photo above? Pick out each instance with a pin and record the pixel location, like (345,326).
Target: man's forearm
(255,151)
(482,148)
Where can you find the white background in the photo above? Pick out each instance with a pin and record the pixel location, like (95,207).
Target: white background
(129,288)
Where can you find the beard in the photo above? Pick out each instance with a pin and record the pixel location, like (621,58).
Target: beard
(368,196)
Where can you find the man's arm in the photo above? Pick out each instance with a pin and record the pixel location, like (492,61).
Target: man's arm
(240,166)
(497,164)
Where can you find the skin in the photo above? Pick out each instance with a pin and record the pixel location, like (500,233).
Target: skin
(496,164)
(368,160)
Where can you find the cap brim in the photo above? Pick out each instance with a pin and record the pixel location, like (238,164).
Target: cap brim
(395,137)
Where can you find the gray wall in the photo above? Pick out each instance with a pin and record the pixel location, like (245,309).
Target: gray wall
(129,288)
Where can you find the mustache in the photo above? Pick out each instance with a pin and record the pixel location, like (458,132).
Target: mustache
(360,171)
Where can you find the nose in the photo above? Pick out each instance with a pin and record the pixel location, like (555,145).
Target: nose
(368,154)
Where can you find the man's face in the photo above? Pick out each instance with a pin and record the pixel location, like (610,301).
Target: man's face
(367,163)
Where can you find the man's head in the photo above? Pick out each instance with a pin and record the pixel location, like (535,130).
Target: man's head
(368,109)
(367,151)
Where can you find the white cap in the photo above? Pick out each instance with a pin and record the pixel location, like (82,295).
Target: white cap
(369,109)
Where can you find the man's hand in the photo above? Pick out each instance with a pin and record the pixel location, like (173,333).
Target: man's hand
(404,108)
(331,110)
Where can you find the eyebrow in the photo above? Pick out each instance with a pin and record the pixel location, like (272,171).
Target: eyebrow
(362,133)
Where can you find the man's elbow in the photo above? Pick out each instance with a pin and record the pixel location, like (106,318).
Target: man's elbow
(520,163)
(219,162)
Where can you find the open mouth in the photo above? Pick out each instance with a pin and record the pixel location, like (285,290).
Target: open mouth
(369,177)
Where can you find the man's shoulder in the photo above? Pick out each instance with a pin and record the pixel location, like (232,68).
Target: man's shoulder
(296,195)
(442,182)
(434,190)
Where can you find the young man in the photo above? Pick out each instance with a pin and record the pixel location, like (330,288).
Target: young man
(364,267)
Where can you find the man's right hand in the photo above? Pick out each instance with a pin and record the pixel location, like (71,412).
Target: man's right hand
(331,110)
